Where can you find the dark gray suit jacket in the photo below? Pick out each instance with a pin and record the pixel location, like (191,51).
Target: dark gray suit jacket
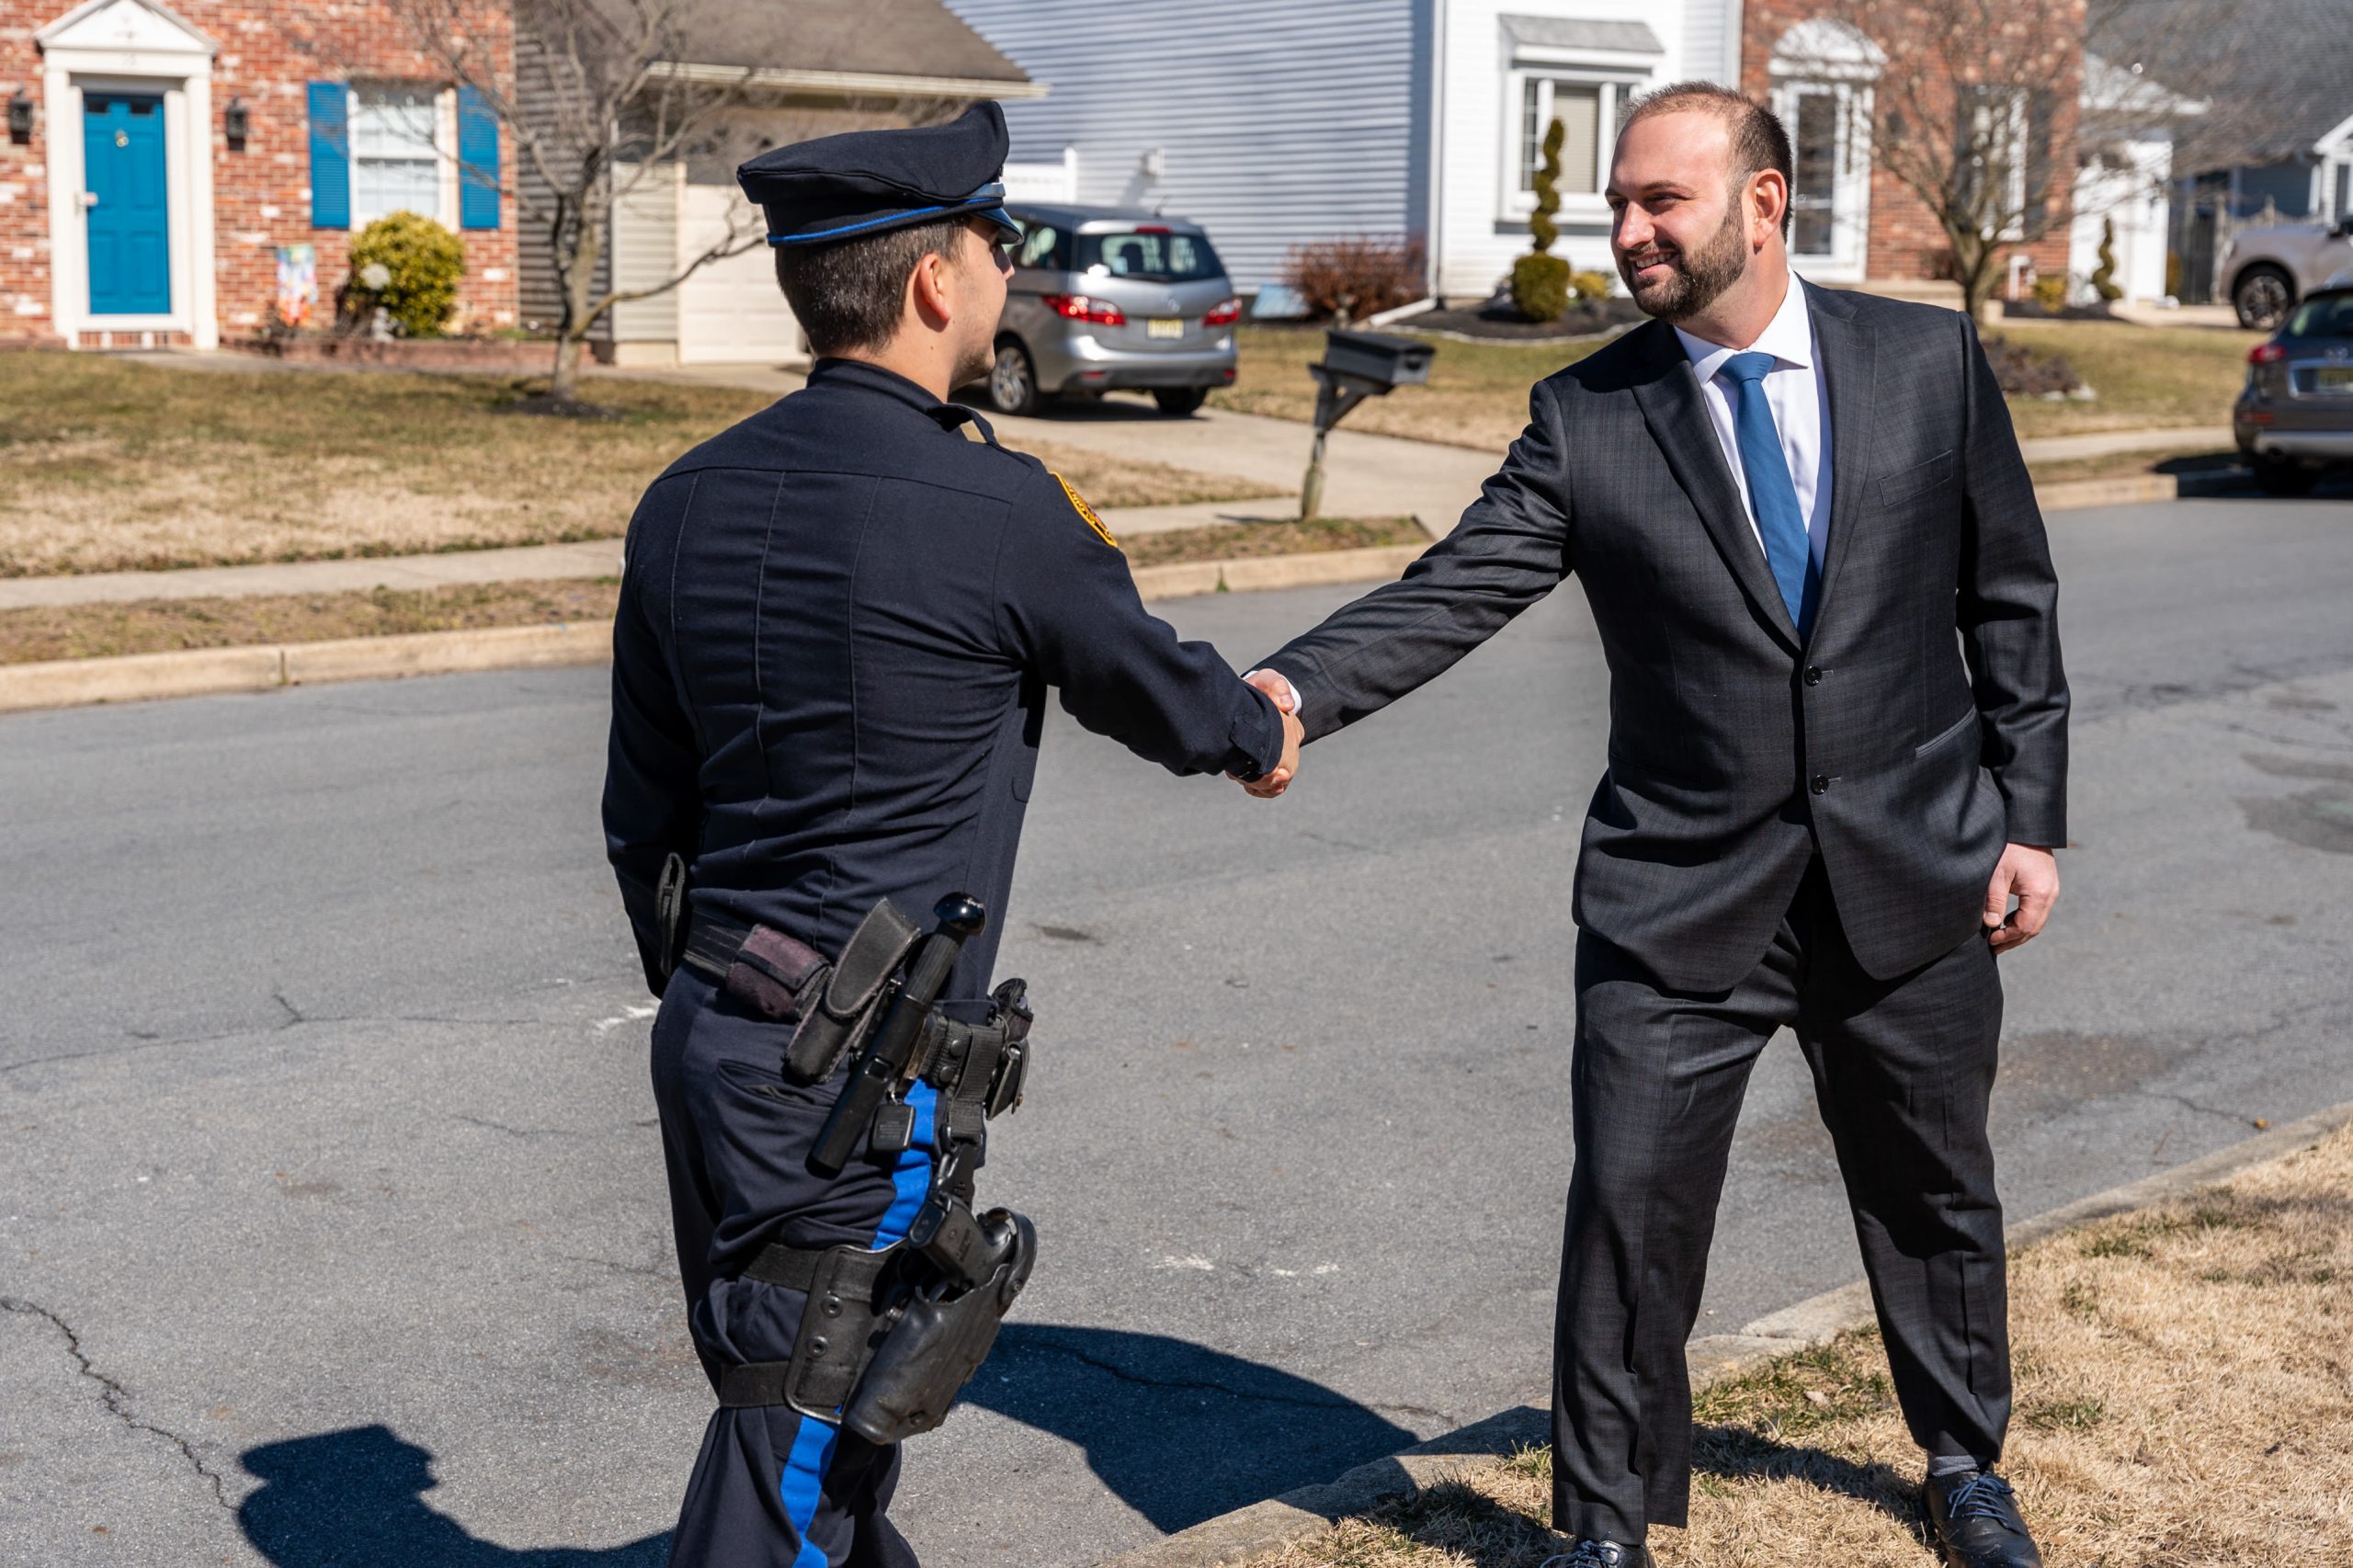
(1923,723)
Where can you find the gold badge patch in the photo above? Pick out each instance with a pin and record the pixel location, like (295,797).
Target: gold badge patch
(1086,511)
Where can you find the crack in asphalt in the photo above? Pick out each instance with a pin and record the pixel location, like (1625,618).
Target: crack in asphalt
(116,1398)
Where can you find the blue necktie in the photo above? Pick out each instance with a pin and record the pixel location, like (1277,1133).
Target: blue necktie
(1771,492)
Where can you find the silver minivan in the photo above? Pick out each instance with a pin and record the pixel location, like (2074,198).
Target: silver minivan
(1102,299)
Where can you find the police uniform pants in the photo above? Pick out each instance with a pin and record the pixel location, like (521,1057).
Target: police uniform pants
(771,1486)
(1902,1070)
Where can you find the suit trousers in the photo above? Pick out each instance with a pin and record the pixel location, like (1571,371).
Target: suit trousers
(1903,1070)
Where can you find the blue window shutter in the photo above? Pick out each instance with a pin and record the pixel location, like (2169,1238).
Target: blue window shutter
(477,162)
(330,155)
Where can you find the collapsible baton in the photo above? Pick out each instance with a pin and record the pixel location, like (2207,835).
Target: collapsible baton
(882,1066)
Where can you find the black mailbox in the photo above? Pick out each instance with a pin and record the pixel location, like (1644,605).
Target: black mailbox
(1356,365)
(1377,357)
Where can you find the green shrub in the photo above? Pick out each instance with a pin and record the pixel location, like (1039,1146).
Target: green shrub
(2104,282)
(1540,286)
(2051,291)
(1543,228)
(423,264)
(1590,288)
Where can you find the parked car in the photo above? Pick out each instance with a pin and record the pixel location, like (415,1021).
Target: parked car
(2295,417)
(1102,299)
(2267,270)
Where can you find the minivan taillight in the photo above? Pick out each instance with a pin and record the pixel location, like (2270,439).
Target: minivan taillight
(1084,307)
(2265,354)
(1225,314)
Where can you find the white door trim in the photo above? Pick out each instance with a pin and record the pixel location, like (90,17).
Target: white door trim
(94,48)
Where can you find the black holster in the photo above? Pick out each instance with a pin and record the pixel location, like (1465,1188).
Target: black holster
(939,1340)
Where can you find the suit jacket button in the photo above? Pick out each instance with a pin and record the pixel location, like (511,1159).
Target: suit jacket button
(1814,674)
(1821,785)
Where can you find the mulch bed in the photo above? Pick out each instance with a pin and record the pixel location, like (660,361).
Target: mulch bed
(1494,319)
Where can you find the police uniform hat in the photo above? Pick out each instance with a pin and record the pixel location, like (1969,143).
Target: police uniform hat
(870,182)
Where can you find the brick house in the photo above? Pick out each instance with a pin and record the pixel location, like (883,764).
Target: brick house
(166,167)
(1853,222)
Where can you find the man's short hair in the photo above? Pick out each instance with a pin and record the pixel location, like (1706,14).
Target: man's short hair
(849,296)
(1759,140)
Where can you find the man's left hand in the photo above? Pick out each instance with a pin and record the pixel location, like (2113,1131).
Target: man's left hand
(2032,874)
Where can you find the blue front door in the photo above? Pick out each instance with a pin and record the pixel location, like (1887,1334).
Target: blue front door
(122,166)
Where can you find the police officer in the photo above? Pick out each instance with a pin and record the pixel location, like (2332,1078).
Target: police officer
(838,623)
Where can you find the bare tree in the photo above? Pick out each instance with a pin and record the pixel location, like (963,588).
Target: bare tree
(602,100)
(1974,107)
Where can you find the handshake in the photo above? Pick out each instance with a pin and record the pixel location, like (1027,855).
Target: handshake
(1277,779)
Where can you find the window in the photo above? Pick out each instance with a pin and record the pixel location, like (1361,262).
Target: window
(1589,111)
(1152,254)
(1041,246)
(394,165)
(1822,75)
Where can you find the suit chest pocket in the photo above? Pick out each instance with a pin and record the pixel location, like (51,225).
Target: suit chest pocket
(1902,486)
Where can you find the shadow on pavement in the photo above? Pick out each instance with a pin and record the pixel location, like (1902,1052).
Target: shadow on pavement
(355,1499)
(1180,1432)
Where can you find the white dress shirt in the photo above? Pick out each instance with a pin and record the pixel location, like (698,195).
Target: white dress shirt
(1794,389)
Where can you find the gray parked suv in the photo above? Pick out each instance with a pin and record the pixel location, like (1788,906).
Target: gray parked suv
(2295,416)
(1102,299)
(2267,270)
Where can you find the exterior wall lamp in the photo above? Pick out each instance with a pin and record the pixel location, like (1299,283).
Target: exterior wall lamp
(236,123)
(20,117)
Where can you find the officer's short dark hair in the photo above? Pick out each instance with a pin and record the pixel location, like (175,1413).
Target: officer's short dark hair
(1759,140)
(848,295)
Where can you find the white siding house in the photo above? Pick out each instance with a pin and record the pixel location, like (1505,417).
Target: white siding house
(1275,122)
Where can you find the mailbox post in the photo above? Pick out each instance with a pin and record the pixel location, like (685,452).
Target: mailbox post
(1356,365)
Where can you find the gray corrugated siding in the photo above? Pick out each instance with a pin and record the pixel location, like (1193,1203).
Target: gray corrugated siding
(541,302)
(1711,46)
(645,254)
(1280,123)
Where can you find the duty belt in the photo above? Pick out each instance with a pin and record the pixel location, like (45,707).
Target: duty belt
(977,1068)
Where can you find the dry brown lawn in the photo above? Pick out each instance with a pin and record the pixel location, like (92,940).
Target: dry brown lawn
(2185,1399)
(161,625)
(1477,396)
(110,465)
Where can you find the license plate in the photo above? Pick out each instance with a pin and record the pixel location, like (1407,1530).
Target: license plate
(1164,327)
(2332,378)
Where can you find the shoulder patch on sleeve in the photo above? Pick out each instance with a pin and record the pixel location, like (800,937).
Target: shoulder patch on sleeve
(1085,511)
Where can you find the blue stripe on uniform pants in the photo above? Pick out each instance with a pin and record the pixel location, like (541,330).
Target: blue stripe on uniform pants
(1772,494)
(804,1483)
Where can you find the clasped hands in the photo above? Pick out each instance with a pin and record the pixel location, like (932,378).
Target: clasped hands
(1277,779)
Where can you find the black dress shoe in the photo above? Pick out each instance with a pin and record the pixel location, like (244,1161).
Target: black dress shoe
(1976,1522)
(1591,1553)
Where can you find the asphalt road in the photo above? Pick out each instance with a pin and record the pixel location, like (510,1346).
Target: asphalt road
(331,1221)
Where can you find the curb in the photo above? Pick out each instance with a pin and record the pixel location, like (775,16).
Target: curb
(1270,1526)
(207,672)
(66,683)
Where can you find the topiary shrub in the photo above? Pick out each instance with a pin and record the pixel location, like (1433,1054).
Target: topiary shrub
(422,264)
(2104,282)
(1590,288)
(1540,286)
(2051,293)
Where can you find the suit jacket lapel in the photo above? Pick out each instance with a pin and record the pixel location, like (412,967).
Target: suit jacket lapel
(1849,366)
(1678,416)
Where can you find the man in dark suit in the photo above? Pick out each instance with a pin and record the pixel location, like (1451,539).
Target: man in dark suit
(1837,755)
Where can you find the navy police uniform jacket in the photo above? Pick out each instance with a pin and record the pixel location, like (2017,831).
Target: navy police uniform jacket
(838,623)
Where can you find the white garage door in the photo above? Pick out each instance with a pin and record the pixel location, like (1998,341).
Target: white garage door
(729,310)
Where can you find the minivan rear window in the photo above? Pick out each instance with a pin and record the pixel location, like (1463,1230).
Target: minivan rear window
(1158,256)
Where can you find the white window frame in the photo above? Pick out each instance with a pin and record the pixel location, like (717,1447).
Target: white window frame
(1619,85)
(1850,180)
(445,139)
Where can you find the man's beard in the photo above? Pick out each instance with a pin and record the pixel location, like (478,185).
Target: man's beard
(1694,279)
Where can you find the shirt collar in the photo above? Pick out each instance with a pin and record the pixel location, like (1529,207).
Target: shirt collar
(872,378)
(1788,337)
